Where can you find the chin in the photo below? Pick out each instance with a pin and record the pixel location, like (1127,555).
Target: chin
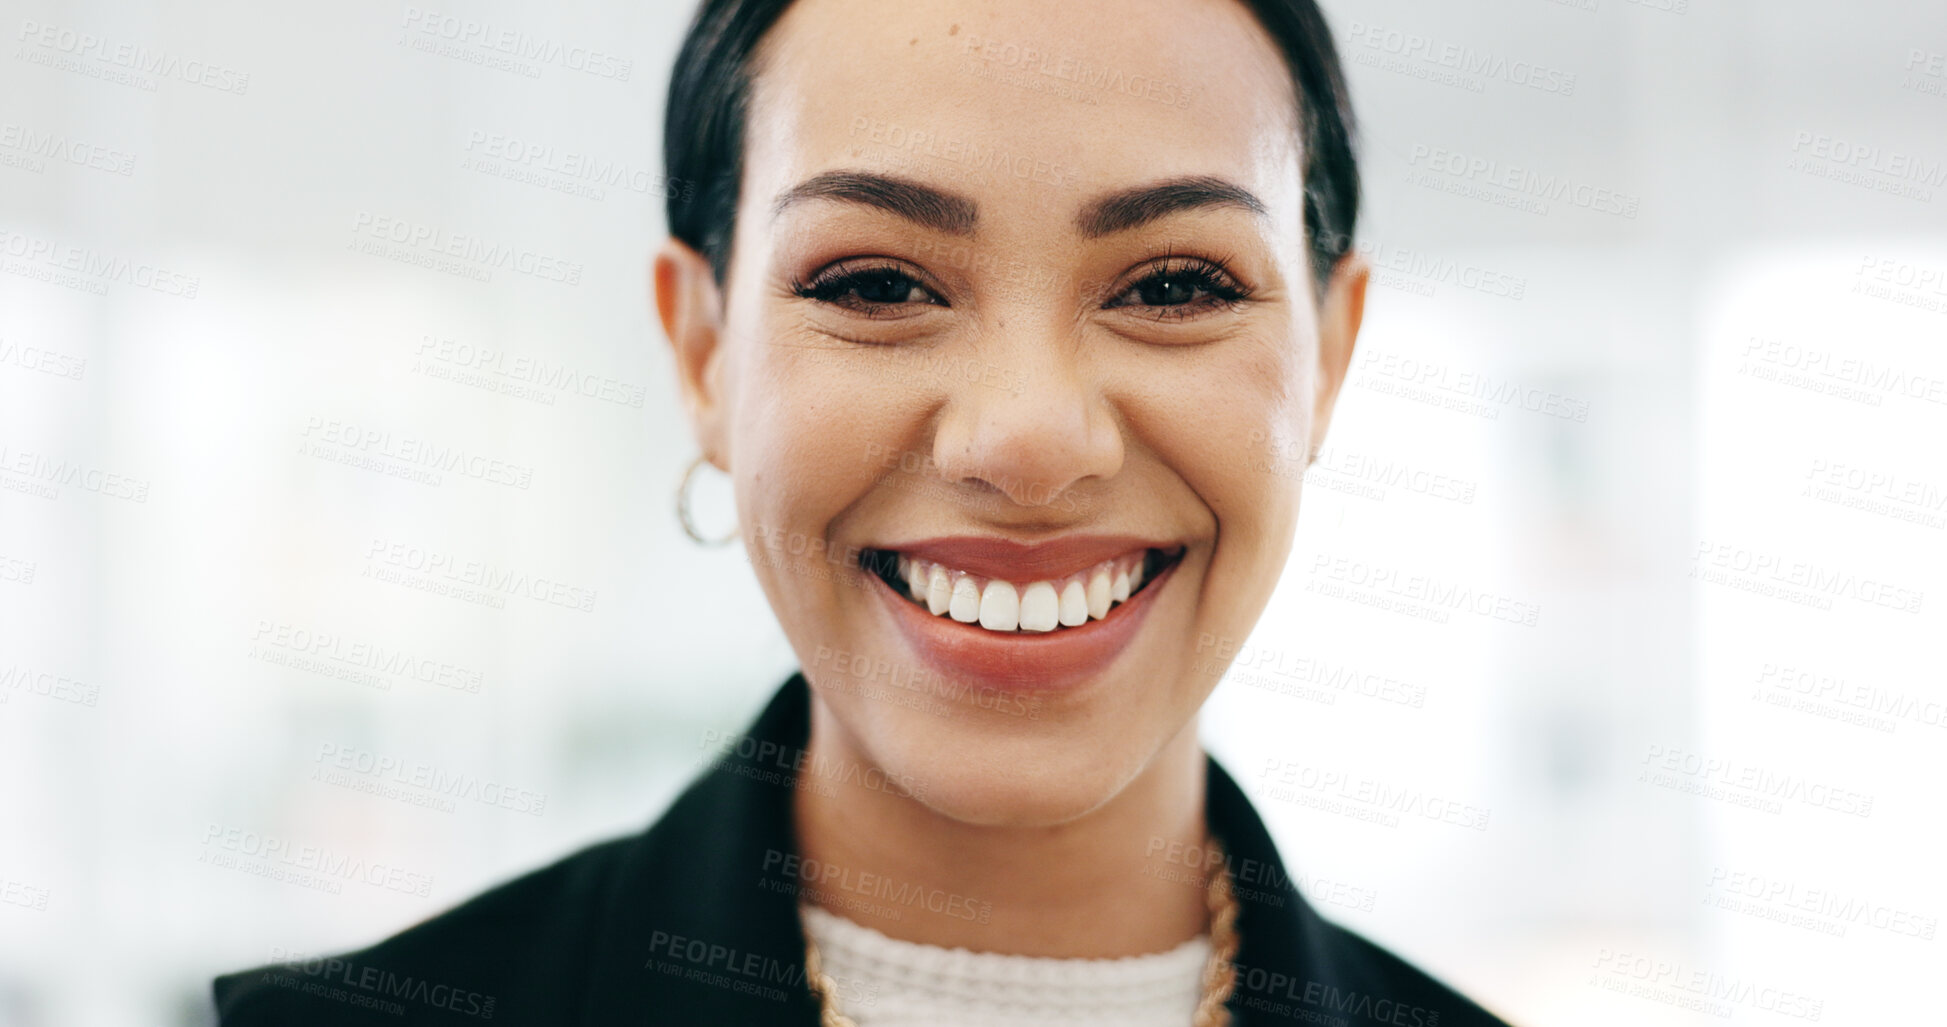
(1028,792)
(1015,727)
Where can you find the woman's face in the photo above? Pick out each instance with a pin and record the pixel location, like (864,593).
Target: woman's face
(1018,305)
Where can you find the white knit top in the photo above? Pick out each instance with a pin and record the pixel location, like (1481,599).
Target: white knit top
(885,982)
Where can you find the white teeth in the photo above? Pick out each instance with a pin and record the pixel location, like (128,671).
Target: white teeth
(965,605)
(1074,604)
(1000,607)
(915,578)
(939,591)
(1098,593)
(1040,607)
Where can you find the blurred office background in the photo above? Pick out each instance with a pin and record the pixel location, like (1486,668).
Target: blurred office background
(1655,362)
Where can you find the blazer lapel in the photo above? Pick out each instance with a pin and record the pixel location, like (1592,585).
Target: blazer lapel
(1272,917)
(691,934)
(696,930)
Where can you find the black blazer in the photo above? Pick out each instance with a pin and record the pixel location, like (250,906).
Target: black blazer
(684,924)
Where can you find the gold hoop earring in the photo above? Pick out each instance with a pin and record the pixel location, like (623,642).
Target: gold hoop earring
(683,507)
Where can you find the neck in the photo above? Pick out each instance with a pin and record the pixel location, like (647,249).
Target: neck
(1094,887)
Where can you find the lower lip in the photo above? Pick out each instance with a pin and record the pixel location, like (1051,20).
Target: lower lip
(1035,661)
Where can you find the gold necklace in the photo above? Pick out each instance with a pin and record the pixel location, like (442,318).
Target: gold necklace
(1219,971)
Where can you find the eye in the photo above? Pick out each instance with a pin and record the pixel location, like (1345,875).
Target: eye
(1179,288)
(873,289)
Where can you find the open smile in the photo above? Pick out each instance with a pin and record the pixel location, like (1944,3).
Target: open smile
(1022,617)
(1040,604)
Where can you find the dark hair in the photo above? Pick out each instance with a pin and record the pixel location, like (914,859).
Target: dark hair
(709,95)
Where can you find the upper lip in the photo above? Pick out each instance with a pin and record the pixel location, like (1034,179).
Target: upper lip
(1012,560)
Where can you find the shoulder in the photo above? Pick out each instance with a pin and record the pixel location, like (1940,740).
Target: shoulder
(573,942)
(517,949)
(1296,965)
(1354,978)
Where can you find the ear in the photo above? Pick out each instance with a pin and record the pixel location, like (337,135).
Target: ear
(691,310)
(1339,317)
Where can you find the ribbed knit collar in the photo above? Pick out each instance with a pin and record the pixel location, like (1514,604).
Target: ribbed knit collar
(887,982)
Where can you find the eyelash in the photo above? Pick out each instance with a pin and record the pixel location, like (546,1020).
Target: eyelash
(838,285)
(1220,288)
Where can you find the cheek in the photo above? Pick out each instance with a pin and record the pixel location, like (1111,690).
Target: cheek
(1234,423)
(811,431)
(1238,437)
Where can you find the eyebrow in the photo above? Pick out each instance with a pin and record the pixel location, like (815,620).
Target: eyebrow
(922,204)
(956,215)
(1133,208)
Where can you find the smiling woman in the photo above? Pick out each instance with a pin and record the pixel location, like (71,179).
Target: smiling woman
(983,799)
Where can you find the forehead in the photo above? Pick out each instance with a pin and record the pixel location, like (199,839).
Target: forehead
(1024,106)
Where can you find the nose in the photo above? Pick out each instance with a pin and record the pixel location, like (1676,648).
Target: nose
(1034,424)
